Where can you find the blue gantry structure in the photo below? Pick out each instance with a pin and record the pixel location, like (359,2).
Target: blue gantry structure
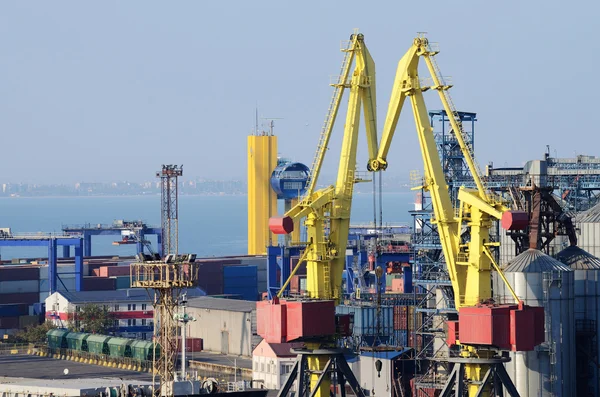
(138,231)
(52,241)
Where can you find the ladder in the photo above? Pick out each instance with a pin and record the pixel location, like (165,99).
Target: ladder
(430,55)
(334,105)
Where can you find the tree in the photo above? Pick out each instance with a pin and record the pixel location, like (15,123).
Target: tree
(92,318)
(35,333)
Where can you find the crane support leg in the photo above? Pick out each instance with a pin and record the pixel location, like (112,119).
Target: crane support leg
(314,380)
(494,377)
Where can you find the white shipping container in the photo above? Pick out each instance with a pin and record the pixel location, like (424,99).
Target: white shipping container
(18,287)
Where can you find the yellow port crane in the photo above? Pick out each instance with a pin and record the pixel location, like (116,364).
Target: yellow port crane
(327,213)
(468,257)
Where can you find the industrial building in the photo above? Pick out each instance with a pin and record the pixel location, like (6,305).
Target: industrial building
(132,310)
(227,326)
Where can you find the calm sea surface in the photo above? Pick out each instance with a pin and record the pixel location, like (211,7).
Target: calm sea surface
(208,225)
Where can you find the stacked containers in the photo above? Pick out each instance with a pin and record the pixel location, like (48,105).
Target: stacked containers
(587,316)
(241,280)
(539,280)
(366,326)
(19,289)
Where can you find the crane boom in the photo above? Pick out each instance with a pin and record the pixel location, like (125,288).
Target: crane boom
(468,256)
(332,205)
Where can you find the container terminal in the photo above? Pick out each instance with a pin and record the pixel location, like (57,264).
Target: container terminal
(491,290)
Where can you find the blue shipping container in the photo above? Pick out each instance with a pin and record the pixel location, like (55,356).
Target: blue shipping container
(400,338)
(365,319)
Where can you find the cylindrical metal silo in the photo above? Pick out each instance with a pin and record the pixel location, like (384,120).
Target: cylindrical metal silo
(586,269)
(540,280)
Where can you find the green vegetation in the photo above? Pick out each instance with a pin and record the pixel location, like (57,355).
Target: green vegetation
(91,318)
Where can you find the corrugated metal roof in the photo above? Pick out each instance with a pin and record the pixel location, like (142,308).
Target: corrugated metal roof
(232,305)
(133,294)
(578,259)
(534,261)
(590,216)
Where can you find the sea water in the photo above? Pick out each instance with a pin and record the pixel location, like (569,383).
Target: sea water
(208,225)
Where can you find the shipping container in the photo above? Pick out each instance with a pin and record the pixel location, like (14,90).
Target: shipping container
(400,317)
(114,271)
(62,284)
(365,320)
(17,273)
(301,270)
(191,345)
(122,282)
(210,277)
(98,284)
(400,338)
(14,309)
(241,280)
(29,298)
(9,322)
(28,321)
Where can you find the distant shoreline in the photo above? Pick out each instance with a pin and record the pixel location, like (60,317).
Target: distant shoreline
(158,195)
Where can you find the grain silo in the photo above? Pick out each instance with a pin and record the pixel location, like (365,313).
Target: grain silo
(540,280)
(586,269)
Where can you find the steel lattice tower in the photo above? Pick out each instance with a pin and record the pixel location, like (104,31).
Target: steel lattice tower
(169,208)
(166,280)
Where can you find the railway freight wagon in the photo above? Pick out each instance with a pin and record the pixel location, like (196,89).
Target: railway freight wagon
(102,345)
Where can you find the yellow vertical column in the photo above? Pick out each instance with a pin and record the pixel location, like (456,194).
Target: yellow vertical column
(262,200)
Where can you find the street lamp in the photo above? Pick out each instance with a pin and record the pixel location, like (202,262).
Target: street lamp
(183,318)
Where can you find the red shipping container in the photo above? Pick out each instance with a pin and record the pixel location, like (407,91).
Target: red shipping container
(485,325)
(18,273)
(29,298)
(424,391)
(114,271)
(452,332)
(400,318)
(191,344)
(307,319)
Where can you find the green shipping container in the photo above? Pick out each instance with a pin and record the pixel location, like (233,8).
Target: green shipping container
(122,282)
(120,347)
(98,344)
(77,341)
(57,338)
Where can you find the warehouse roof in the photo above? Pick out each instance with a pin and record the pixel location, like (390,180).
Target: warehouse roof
(232,305)
(133,294)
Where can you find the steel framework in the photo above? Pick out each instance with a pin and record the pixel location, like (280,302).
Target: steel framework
(165,281)
(432,281)
(169,207)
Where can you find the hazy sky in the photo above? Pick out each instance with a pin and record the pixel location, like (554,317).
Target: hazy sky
(110,90)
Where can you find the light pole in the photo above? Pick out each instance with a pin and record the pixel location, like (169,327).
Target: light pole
(183,318)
